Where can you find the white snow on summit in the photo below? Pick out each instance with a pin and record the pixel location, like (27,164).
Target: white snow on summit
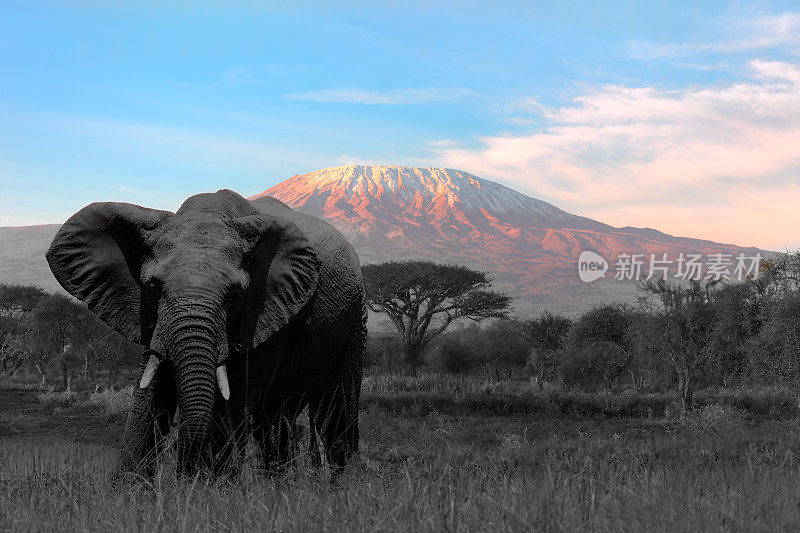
(440,192)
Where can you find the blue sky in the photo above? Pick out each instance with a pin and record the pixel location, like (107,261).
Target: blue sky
(668,115)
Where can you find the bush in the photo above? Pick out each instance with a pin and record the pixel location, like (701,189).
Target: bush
(772,354)
(52,398)
(113,401)
(607,322)
(500,348)
(598,364)
(457,357)
(548,332)
(543,365)
(383,351)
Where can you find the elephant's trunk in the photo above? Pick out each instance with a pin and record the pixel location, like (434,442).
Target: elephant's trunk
(196,384)
(195,372)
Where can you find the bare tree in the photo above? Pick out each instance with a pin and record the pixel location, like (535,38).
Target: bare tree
(779,275)
(17,302)
(58,327)
(422,298)
(683,324)
(112,353)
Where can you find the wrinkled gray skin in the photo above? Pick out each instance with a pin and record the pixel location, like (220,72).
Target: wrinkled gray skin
(274,295)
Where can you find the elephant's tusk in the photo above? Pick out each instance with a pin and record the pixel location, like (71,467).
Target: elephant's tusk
(222,381)
(149,371)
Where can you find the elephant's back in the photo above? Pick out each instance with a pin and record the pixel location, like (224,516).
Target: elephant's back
(331,246)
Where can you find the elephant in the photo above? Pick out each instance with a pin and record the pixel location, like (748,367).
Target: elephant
(249,312)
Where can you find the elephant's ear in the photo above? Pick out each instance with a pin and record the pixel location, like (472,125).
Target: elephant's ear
(284,270)
(96,257)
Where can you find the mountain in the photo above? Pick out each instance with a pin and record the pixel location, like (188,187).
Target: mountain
(22,259)
(530,247)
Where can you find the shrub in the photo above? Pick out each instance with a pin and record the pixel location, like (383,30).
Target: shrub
(500,348)
(113,401)
(607,322)
(53,398)
(772,354)
(383,351)
(543,365)
(457,357)
(548,332)
(597,364)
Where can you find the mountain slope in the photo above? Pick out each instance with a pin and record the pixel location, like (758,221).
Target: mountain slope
(529,246)
(22,259)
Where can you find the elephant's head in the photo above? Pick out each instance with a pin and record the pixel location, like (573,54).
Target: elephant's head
(217,274)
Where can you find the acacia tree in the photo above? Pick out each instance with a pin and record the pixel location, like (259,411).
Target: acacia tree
(422,298)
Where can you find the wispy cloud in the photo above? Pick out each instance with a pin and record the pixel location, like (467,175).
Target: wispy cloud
(746,33)
(775,70)
(390,97)
(527,105)
(720,161)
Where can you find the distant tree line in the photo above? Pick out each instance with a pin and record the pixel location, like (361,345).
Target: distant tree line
(678,335)
(59,339)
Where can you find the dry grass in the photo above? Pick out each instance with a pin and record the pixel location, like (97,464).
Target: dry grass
(114,401)
(430,469)
(469,394)
(54,398)
(437,473)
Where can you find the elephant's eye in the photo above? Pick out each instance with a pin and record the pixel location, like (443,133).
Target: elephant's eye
(151,286)
(236,291)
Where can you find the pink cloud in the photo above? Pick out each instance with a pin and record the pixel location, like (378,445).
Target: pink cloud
(776,70)
(707,162)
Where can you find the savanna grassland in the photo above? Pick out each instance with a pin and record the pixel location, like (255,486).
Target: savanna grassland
(432,460)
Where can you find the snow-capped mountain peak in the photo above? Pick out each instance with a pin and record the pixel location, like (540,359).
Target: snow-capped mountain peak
(530,247)
(440,195)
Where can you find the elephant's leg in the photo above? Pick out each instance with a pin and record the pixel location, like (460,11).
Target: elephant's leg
(333,422)
(149,420)
(275,433)
(333,414)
